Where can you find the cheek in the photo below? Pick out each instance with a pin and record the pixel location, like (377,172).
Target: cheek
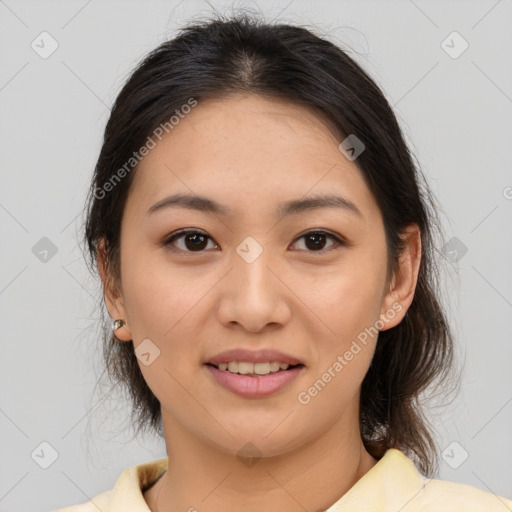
(348,300)
(163,304)
(331,391)
(159,295)
(343,358)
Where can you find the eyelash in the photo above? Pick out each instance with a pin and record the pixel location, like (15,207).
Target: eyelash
(179,234)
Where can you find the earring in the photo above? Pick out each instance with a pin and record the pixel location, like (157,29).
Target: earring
(117,324)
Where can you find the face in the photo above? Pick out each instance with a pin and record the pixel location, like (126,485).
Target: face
(304,284)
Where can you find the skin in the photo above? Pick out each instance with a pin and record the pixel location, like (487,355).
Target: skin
(250,153)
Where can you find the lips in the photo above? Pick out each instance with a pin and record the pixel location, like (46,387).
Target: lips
(261,373)
(254,387)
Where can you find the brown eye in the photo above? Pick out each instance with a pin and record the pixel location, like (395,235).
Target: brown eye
(193,241)
(315,241)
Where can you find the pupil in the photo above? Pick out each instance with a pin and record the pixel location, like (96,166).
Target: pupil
(317,243)
(196,239)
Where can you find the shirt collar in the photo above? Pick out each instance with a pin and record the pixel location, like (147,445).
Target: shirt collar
(127,494)
(393,482)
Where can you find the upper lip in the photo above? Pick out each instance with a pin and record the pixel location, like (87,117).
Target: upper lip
(253,356)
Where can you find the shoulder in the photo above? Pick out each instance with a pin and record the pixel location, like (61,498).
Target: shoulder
(127,493)
(445,496)
(395,484)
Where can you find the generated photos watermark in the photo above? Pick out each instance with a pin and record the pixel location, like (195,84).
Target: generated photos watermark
(305,397)
(137,156)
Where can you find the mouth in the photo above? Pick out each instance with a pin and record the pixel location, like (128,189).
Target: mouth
(254,380)
(254,373)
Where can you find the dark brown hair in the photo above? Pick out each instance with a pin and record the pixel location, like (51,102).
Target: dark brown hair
(214,58)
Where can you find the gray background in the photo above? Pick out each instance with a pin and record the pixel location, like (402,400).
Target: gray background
(456,115)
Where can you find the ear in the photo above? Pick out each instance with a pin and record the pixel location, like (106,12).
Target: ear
(401,290)
(113,297)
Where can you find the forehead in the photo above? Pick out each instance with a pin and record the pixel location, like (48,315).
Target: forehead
(249,152)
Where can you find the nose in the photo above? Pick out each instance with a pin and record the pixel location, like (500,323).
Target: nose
(254,295)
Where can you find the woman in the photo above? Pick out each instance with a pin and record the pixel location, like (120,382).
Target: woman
(265,248)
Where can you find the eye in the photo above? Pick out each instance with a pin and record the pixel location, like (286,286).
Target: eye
(194,241)
(315,240)
(197,241)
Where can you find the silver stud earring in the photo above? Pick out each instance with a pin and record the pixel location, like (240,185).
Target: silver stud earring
(117,324)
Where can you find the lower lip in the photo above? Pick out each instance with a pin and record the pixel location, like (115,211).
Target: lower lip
(254,387)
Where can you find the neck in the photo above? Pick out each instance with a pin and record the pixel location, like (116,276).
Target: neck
(206,479)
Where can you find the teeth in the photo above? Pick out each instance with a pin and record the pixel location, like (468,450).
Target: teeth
(246,368)
(274,366)
(262,368)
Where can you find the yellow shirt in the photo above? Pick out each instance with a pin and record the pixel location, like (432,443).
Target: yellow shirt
(393,484)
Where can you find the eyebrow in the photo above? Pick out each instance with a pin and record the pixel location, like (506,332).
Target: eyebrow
(292,207)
